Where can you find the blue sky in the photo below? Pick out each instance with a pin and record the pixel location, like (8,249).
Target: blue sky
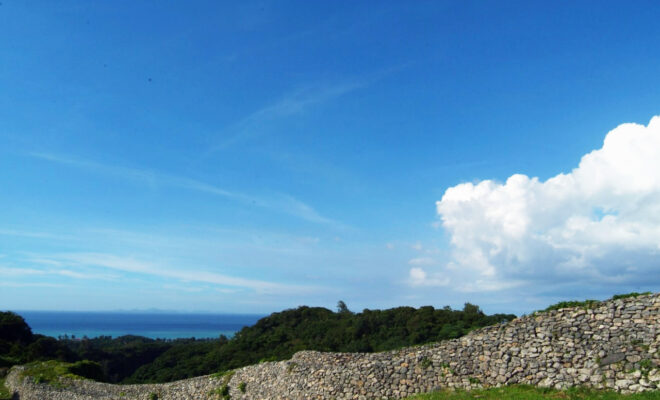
(255,156)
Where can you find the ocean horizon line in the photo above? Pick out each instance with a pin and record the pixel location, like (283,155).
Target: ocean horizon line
(140,311)
(152,325)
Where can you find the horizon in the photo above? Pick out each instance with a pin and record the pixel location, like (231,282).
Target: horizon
(154,311)
(138,311)
(251,158)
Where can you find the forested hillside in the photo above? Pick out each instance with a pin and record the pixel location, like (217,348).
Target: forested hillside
(132,359)
(19,345)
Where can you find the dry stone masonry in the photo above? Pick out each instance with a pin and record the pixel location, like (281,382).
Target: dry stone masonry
(614,346)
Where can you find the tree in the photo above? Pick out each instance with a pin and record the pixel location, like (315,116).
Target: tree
(13,328)
(342,308)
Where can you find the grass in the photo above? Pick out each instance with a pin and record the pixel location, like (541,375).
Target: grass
(589,304)
(4,392)
(627,295)
(426,363)
(586,304)
(226,375)
(525,392)
(223,391)
(49,372)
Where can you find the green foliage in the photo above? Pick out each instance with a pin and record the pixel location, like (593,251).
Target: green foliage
(625,296)
(48,348)
(589,304)
(18,345)
(222,392)
(342,307)
(524,392)
(225,375)
(291,367)
(49,372)
(586,304)
(121,357)
(425,363)
(87,369)
(5,394)
(645,366)
(242,387)
(13,328)
(153,396)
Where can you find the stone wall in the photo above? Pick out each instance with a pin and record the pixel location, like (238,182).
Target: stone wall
(614,346)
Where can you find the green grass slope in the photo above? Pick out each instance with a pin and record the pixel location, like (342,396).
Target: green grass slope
(524,392)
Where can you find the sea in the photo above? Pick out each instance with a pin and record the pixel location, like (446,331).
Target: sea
(159,325)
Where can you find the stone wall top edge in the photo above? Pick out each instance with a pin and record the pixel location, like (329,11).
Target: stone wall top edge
(533,318)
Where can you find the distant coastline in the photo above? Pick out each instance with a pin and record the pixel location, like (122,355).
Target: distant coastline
(151,324)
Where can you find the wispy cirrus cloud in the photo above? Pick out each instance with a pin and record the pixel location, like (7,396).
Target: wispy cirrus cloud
(294,103)
(282,203)
(25,272)
(31,284)
(11,271)
(28,234)
(160,269)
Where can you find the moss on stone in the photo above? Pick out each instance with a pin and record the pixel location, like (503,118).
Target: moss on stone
(49,372)
(5,394)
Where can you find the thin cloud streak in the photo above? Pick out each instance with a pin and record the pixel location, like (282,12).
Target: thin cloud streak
(132,265)
(10,271)
(24,285)
(294,103)
(281,203)
(19,272)
(28,234)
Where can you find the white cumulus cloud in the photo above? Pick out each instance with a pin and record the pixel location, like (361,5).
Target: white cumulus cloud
(597,224)
(419,277)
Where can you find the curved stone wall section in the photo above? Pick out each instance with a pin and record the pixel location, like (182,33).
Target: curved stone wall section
(613,346)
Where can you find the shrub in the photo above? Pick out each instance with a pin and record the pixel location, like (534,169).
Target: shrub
(625,296)
(87,369)
(587,304)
